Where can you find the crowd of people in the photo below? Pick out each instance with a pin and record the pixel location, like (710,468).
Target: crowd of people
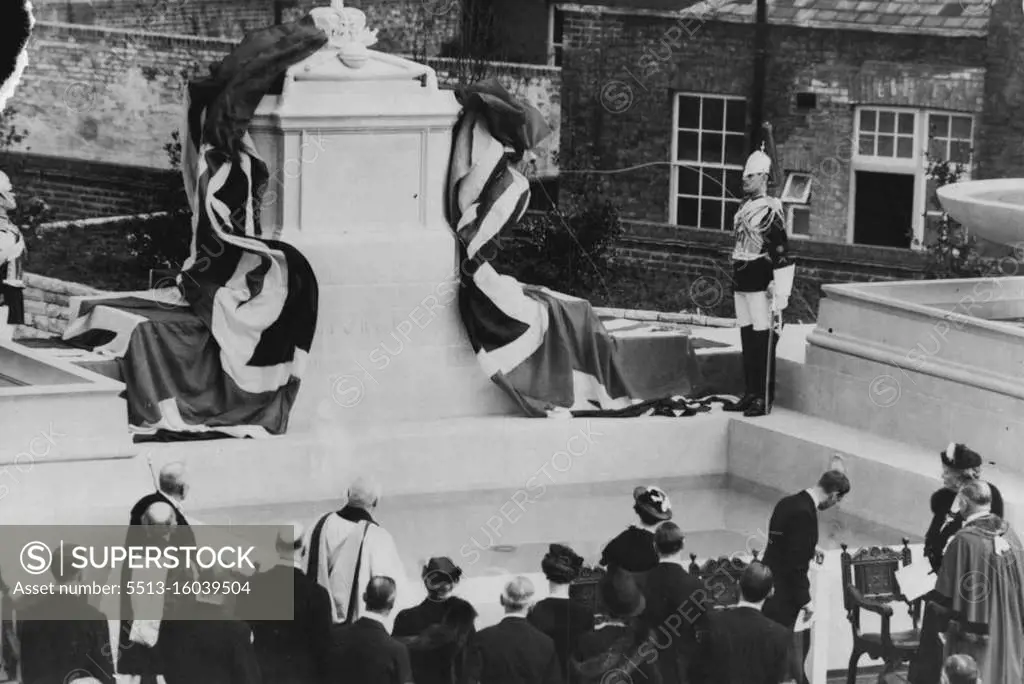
(656,622)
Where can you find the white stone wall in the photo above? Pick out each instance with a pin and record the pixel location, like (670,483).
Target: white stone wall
(47,305)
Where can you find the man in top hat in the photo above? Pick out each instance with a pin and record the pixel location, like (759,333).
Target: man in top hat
(762,282)
(514,651)
(290,651)
(438,630)
(12,250)
(960,465)
(633,549)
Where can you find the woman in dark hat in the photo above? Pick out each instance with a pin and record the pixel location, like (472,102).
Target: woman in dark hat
(620,645)
(557,616)
(633,549)
(960,465)
(438,629)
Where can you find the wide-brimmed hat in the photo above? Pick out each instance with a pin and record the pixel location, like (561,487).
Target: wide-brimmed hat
(620,594)
(561,564)
(960,457)
(653,501)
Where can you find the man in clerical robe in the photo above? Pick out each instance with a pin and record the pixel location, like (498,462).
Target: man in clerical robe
(347,548)
(982,583)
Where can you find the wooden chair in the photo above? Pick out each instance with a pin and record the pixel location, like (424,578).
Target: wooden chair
(583,590)
(869,583)
(721,577)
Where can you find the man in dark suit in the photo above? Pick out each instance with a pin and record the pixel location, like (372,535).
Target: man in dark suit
(290,651)
(514,651)
(210,647)
(792,545)
(363,652)
(64,638)
(162,508)
(675,611)
(744,646)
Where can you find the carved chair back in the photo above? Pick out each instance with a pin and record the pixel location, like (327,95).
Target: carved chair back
(721,578)
(871,571)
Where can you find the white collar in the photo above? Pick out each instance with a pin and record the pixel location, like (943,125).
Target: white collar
(814,496)
(514,615)
(974,516)
(747,604)
(376,618)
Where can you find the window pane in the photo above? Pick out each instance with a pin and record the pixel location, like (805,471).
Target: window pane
(885,146)
(905,147)
(866,144)
(688,180)
(801,221)
(736,116)
(559,27)
(886,122)
(689,111)
(961,127)
(712,181)
(938,124)
(687,146)
(711,213)
(867,120)
(931,202)
(938,149)
(730,213)
(907,123)
(735,149)
(711,148)
(961,152)
(686,211)
(734,183)
(714,114)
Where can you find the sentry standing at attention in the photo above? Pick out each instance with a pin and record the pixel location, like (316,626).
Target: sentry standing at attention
(762,282)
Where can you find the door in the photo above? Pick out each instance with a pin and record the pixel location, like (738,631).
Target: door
(883,211)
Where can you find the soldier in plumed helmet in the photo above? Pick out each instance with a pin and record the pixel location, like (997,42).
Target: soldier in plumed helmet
(762,282)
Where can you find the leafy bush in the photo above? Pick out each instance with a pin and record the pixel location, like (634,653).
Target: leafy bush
(953,252)
(569,249)
(160,242)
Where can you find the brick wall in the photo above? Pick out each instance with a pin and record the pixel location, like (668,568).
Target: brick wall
(1001,152)
(702,256)
(414,26)
(47,305)
(619,86)
(115,96)
(76,189)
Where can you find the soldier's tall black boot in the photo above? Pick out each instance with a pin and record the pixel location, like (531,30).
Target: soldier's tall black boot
(759,371)
(749,381)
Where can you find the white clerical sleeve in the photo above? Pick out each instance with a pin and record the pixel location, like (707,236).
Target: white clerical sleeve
(384,560)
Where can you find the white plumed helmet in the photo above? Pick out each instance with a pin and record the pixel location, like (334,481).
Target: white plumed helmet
(758,162)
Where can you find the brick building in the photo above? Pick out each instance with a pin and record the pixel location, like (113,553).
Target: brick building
(861,95)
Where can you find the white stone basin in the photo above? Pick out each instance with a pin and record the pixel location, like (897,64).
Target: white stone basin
(991,209)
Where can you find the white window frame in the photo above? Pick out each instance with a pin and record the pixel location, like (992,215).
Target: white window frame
(790,179)
(555,50)
(676,163)
(790,210)
(916,166)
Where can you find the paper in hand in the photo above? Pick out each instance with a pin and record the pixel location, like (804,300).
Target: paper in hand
(915,580)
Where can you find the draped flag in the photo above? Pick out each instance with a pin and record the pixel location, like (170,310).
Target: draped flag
(224,351)
(548,351)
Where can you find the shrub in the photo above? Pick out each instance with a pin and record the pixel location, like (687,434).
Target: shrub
(953,252)
(569,249)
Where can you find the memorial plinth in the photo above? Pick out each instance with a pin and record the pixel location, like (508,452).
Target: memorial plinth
(358,161)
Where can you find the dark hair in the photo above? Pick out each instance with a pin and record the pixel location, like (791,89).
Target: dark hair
(835,481)
(756,582)
(668,539)
(380,594)
(561,564)
(645,517)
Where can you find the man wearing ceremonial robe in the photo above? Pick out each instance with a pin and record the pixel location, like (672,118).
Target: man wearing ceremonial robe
(762,282)
(982,583)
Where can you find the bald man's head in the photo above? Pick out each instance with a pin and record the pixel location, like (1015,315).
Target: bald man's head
(976,496)
(172,480)
(159,513)
(364,493)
